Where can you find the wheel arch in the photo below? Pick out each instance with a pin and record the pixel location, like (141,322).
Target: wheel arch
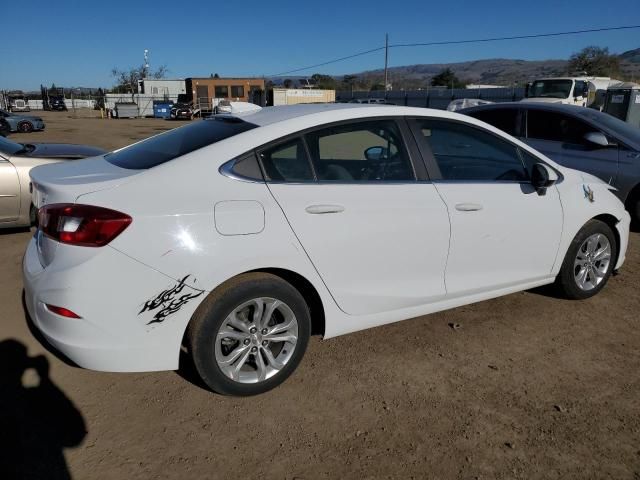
(611,222)
(308,292)
(632,197)
(299,282)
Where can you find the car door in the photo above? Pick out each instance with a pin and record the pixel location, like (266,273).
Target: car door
(562,138)
(377,234)
(9,191)
(503,233)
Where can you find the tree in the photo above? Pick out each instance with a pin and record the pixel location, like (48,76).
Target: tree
(324,82)
(446,78)
(287,83)
(127,80)
(595,61)
(377,86)
(348,81)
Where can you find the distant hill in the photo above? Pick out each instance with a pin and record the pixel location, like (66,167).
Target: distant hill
(495,71)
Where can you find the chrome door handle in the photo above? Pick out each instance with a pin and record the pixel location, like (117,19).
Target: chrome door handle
(321,209)
(468,207)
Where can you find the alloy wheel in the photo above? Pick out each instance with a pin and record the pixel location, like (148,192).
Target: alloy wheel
(256,340)
(592,262)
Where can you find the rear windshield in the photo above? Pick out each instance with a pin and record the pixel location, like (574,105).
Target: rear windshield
(175,143)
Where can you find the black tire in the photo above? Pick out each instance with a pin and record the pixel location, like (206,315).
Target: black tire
(33,216)
(566,284)
(633,207)
(202,333)
(25,127)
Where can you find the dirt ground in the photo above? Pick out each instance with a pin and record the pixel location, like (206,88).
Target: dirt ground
(527,386)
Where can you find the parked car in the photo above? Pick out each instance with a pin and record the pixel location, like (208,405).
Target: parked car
(16,160)
(576,137)
(181,111)
(460,103)
(57,103)
(234,238)
(376,101)
(19,122)
(5,129)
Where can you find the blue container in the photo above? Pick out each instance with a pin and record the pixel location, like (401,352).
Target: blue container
(161,109)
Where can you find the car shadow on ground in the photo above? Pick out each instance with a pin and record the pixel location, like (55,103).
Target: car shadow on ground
(37,420)
(12,230)
(187,370)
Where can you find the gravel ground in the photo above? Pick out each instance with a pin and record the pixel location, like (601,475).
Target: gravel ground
(526,386)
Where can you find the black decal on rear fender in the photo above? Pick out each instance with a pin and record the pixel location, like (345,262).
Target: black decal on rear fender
(169,301)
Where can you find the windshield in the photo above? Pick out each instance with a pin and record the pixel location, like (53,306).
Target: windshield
(550,89)
(8,147)
(175,143)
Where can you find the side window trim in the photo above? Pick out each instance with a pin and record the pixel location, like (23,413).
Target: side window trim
(416,162)
(398,121)
(227,168)
(281,141)
(431,162)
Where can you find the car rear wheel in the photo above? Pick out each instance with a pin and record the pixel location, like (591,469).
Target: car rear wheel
(589,261)
(249,335)
(25,127)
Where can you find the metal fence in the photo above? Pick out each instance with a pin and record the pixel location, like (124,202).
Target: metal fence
(437,98)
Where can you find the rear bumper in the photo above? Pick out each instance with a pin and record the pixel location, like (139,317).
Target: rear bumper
(111,335)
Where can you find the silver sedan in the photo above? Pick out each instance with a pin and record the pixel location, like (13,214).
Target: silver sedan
(16,159)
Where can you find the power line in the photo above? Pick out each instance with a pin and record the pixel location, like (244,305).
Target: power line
(327,63)
(517,37)
(458,42)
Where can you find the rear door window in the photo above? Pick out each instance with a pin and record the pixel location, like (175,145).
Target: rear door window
(556,127)
(360,152)
(287,162)
(506,119)
(175,143)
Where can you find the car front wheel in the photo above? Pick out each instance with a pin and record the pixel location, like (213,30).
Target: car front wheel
(249,335)
(589,261)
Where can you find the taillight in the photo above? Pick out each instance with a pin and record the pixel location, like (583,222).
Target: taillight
(83,225)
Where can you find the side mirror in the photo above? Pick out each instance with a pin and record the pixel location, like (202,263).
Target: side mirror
(597,138)
(542,177)
(375,153)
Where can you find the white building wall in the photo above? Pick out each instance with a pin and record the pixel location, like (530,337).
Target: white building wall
(164,87)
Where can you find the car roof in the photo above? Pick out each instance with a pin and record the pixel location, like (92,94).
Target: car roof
(281,113)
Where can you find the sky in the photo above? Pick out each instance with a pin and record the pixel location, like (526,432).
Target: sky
(79,43)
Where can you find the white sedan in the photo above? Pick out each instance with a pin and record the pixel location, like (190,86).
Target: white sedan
(238,237)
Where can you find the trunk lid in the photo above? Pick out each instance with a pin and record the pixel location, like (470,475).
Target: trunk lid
(64,182)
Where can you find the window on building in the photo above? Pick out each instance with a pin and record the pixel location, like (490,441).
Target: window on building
(222,91)
(237,91)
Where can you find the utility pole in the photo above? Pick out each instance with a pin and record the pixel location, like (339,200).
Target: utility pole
(386,62)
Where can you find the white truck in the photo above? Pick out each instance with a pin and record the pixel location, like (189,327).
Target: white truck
(583,91)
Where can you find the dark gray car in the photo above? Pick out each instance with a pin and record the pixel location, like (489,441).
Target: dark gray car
(577,137)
